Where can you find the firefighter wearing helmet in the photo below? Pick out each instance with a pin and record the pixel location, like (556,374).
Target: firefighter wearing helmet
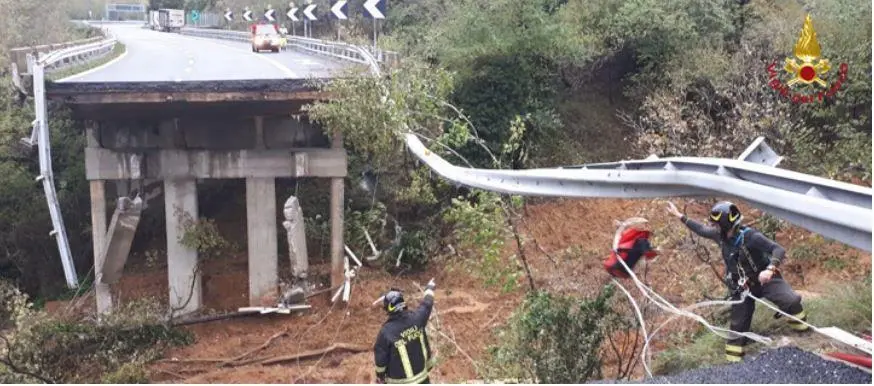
(752,261)
(402,352)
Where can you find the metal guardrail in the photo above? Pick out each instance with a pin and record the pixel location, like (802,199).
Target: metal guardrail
(38,65)
(836,210)
(19,55)
(338,50)
(76,55)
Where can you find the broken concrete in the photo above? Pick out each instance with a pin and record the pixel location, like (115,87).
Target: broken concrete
(297,242)
(119,239)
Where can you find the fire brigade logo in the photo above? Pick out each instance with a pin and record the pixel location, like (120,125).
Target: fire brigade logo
(808,71)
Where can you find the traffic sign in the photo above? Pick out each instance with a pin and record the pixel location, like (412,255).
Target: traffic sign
(339,9)
(308,11)
(292,14)
(269,14)
(195,15)
(229,16)
(376,8)
(247,15)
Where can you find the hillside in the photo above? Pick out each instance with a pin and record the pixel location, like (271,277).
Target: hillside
(522,292)
(467,312)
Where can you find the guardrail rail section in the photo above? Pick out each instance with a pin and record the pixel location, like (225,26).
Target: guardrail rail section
(339,50)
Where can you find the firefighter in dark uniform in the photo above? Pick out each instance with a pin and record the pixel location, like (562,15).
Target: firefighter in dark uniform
(752,261)
(402,352)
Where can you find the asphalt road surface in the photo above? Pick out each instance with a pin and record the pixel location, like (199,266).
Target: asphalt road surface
(153,56)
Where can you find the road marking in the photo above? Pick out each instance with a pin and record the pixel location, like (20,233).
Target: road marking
(95,69)
(287,71)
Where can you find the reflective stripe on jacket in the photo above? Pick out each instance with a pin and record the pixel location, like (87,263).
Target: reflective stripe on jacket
(402,351)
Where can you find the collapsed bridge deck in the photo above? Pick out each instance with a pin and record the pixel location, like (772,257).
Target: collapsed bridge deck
(182,132)
(101,100)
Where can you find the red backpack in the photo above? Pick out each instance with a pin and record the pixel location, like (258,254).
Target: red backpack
(632,243)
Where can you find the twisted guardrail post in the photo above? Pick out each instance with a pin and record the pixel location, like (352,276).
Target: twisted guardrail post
(46,176)
(37,65)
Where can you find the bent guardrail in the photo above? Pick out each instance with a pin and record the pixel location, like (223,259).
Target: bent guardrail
(836,210)
(38,65)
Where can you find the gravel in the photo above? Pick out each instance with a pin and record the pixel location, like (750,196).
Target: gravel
(782,365)
(785,365)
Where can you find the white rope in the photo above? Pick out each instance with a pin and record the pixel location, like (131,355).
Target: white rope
(762,301)
(640,319)
(666,306)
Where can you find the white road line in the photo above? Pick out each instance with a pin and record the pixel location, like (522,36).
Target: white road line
(288,72)
(95,69)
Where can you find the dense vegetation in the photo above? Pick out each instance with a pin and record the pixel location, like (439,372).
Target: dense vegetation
(504,84)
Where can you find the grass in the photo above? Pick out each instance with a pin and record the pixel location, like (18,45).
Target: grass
(845,305)
(117,51)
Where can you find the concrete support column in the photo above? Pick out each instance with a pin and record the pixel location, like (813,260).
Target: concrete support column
(180,197)
(98,237)
(337,275)
(263,254)
(98,225)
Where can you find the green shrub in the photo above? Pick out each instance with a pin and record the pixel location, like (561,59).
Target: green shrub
(68,350)
(554,339)
(202,235)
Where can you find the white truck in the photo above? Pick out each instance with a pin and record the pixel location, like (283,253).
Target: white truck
(154,25)
(171,20)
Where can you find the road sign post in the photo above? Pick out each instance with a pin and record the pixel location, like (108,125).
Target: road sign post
(376,9)
(292,15)
(339,11)
(310,17)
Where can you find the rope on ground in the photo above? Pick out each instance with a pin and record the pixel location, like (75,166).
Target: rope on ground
(333,341)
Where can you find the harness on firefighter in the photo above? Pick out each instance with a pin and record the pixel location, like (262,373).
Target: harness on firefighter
(737,284)
(629,245)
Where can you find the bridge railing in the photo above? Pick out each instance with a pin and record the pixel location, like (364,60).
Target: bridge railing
(75,55)
(19,55)
(338,50)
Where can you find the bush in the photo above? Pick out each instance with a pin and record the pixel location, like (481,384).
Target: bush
(554,339)
(40,347)
(201,235)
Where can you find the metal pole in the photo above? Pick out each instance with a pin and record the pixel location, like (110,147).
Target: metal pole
(374,35)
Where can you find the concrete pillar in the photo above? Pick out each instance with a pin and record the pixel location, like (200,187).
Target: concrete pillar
(182,272)
(98,237)
(263,253)
(98,225)
(337,205)
(297,242)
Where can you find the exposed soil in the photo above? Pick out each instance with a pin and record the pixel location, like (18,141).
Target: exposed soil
(565,242)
